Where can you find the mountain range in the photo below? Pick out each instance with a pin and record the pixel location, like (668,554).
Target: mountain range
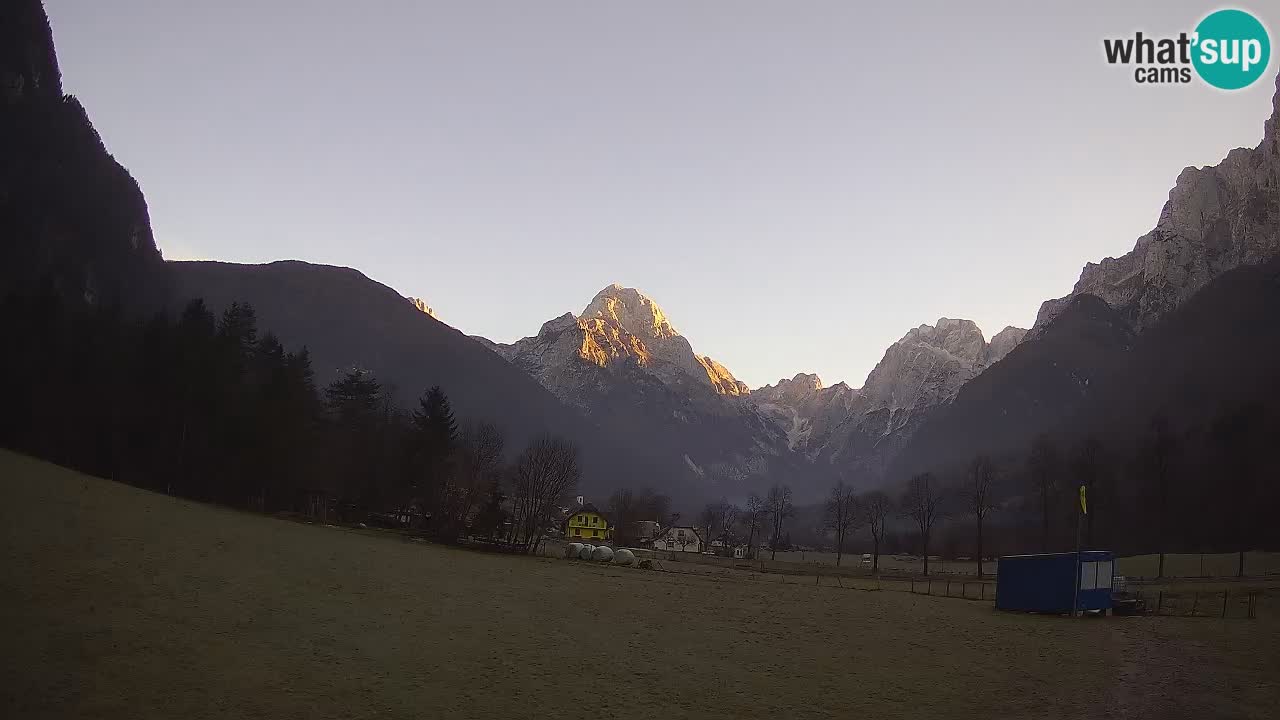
(629,389)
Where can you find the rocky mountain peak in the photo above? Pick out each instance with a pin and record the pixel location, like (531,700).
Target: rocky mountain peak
(623,314)
(799,389)
(1004,341)
(808,380)
(1217,218)
(632,311)
(960,338)
(1270,136)
(558,325)
(421,306)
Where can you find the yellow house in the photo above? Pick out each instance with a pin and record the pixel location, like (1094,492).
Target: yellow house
(587,523)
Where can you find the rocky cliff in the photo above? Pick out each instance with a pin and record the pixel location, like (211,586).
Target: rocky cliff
(1176,327)
(421,306)
(1217,218)
(72,220)
(860,431)
(618,313)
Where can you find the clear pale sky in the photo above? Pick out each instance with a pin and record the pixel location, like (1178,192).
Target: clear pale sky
(796,183)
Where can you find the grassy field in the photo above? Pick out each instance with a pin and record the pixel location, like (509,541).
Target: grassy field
(118,603)
(1256,564)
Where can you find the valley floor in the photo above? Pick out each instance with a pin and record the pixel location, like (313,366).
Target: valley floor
(119,603)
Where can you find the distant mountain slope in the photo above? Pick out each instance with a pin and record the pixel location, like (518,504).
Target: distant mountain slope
(627,368)
(72,220)
(1139,333)
(1037,385)
(346,319)
(858,432)
(623,364)
(1089,372)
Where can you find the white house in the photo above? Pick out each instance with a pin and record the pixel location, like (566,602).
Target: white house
(718,547)
(679,539)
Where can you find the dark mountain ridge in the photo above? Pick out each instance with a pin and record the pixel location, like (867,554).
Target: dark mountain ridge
(1090,373)
(345,319)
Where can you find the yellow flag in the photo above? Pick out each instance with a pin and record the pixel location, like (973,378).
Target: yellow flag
(1084,506)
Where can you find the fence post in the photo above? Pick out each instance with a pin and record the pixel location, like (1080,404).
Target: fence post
(1225,595)
(1195,603)
(948,587)
(1160,602)
(929,588)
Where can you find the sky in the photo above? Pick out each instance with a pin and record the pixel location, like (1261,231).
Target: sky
(797,184)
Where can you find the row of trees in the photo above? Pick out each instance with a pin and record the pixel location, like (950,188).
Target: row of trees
(207,407)
(1201,489)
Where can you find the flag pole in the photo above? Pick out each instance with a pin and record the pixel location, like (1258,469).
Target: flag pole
(1075,600)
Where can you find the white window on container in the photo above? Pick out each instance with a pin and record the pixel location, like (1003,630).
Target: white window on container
(1088,575)
(1104,574)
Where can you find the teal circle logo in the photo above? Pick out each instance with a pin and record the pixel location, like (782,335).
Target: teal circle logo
(1232,49)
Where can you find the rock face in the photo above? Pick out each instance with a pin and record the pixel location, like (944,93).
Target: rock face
(805,409)
(625,315)
(1217,218)
(421,306)
(1004,341)
(1088,373)
(625,333)
(74,221)
(860,431)
(1180,326)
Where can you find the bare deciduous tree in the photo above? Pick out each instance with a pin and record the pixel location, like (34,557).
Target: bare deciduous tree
(876,507)
(707,521)
(753,518)
(1237,442)
(1042,471)
(978,495)
(922,503)
(623,511)
(478,457)
(1156,461)
(629,507)
(841,515)
(546,473)
(720,519)
(778,505)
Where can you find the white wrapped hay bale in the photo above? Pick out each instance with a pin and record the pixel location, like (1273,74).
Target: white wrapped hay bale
(585,552)
(602,553)
(573,550)
(623,556)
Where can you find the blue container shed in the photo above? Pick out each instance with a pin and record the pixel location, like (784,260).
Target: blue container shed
(1045,583)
